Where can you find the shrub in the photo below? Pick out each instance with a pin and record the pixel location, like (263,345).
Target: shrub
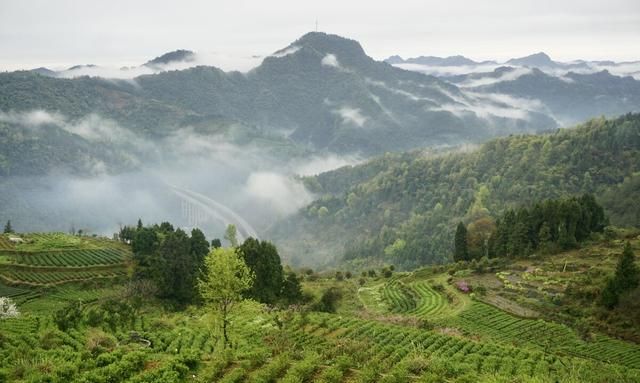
(99,342)
(68,316)
(329,300)
(51,340)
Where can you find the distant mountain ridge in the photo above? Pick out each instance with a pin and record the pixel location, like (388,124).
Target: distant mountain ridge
(322,91)
(436,61)
(536,60)
(180,55)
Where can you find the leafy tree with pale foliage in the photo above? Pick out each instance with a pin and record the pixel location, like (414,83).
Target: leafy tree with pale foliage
(225,278)
(231,235)
(8,309)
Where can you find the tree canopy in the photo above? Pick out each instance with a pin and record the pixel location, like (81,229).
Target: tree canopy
(226,278)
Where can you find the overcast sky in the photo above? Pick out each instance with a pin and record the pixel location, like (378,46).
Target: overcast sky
(59,33)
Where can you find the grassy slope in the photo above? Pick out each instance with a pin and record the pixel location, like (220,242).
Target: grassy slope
(443,335)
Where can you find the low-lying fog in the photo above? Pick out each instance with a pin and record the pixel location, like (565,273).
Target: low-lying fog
(187,178)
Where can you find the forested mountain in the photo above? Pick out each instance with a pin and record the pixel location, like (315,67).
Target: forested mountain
(322,90)
(179,55)
(570,98)
(403,209)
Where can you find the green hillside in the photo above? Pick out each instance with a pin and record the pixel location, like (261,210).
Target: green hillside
(53,259)
(492,321)
(415,200)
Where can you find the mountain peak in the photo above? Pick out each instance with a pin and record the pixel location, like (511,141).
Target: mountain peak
(330,44)
(180,55)
(395,59)
(539,59)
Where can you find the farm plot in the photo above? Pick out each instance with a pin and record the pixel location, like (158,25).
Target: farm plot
(487,320)
(5,244)
(45,277)
(399,297)
(379,352)
(431,303)
(71,258)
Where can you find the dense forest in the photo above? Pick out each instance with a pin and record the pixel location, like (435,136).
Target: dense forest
(403,209)
(547,227)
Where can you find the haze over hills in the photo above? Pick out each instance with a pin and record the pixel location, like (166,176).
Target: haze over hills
(402,209)
(569,92)
(322,91)
(459,64)
(203,192)
(316,104)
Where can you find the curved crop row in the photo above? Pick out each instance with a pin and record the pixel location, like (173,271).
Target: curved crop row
(430,303)
(398,297)
(486,319)
(56,277)
(72,258)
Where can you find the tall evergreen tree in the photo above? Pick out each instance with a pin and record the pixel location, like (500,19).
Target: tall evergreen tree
(199,247)
(8,228)
(263,260)
(461,251)
(626,277)
(291,290)
(174,270)
(627,272)
(544,238)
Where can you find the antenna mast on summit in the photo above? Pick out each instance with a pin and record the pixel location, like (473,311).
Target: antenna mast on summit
(316,24)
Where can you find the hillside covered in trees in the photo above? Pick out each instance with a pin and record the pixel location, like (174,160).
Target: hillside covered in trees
(403,209)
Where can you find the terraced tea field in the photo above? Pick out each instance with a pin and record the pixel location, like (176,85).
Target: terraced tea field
(486,320)
(52,259)
(454,311)
(412,327)
(71,258)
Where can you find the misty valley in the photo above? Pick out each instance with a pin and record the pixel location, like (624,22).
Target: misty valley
(321,216)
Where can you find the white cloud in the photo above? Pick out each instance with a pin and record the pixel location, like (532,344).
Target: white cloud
(287,51)
(351,116)
(448,70)
(330,60)
(221,61)
(488,105)
(32,118)
(488,80)
(285,194)
(401,92)
(317,165)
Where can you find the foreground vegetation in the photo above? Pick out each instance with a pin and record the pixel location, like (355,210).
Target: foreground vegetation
(523,319)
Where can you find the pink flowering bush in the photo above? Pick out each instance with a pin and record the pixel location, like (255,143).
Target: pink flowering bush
(463,286)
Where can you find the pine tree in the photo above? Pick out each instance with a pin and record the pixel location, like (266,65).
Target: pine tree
(627,277)
(7,228)
(545,238)
(461,252)
(627,272)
